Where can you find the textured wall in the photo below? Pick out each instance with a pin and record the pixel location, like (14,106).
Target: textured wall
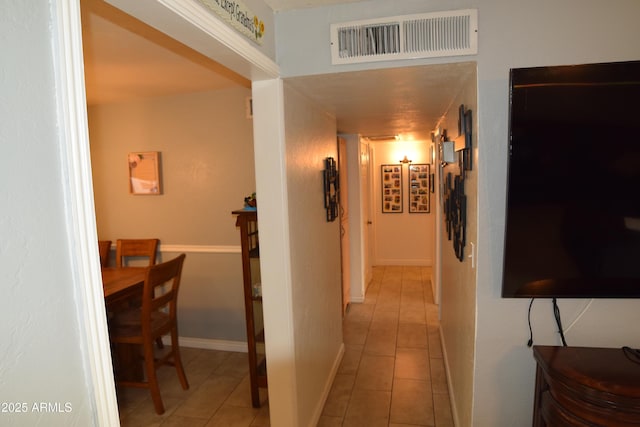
(315,251)
(41,357)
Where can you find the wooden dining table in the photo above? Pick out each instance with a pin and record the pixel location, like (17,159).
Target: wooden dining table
(120,284)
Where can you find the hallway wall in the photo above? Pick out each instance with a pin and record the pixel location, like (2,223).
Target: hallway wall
(401,238)
(316,294)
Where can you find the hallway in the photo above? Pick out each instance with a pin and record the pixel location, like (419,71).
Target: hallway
(392,373)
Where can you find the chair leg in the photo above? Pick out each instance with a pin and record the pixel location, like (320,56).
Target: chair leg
(159,343)
(177,361)
(152,378)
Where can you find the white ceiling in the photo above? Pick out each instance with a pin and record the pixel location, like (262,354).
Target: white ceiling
(126,60)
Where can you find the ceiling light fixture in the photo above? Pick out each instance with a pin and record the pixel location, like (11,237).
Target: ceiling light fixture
(405,160)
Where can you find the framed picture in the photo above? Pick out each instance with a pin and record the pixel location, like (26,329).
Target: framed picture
(391,176)
(144,173)
(419,188)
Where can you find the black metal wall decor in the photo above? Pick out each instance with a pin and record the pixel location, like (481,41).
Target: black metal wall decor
(454,198)
(465,127)
(331,188)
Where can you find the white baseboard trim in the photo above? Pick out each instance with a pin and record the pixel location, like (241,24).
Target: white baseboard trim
(327,387)
(209,344)
(402,262)
(454,409)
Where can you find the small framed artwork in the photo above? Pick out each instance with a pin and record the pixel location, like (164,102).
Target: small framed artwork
(419,188)
(144,173)
(391,188)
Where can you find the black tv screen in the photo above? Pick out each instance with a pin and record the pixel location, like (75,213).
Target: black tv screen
(573,188)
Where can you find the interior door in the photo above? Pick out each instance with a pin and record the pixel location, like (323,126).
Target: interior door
(344,225)
(365,191)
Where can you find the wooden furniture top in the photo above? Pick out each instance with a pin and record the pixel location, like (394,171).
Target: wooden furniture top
(606,370)
(250,214)
(119,280)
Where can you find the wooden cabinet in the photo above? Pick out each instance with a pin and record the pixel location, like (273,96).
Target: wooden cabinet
(247,221)
(583,386)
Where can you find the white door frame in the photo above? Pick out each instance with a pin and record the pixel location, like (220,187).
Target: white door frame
(196,29)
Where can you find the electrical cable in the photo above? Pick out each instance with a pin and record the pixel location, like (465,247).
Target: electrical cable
(556,314)
(582,312)
(530,342)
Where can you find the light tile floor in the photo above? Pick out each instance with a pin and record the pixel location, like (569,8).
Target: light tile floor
(392,373)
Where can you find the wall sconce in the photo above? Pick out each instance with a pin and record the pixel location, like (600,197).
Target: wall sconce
(405,160)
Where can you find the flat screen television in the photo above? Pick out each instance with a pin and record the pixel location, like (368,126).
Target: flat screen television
(573,189)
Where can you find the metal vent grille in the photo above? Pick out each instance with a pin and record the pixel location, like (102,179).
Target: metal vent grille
(405,37)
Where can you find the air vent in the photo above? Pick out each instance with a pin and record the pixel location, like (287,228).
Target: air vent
(426,35)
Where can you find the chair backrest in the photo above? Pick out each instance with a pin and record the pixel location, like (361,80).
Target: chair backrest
(104,248)
(130,248)
(161,285)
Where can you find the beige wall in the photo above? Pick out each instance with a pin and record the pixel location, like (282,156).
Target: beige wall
(206,145)
(401,238)
(458,287)
(315,254)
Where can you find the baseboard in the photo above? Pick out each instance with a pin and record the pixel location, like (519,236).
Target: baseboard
(210,344)
(452,400)
(327,387)
(403,262)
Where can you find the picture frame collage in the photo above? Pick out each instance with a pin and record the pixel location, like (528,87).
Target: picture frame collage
(420,187)
(391,176)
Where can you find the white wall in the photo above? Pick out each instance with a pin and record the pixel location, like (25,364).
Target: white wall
(41,353)
(206,145)
(357,220)
(519,34)
(315,254)
(401,238)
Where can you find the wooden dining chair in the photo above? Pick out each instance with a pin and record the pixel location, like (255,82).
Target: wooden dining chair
(156,317)
(104,249)
(134,249)
(128,249)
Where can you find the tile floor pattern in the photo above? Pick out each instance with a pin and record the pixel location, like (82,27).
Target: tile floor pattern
(392,373)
